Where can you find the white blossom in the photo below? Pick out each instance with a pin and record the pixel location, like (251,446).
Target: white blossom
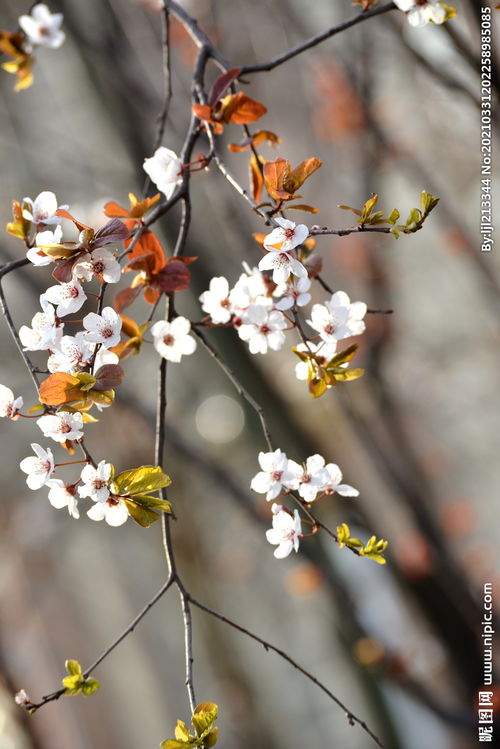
(62,426)
(275,476)
(44,239)
(42,27)
(334,482)
(286,236)
(71,354)
(112,510)
(45,332)
(282,264)
(338,318)
(164,169)
(42,210)
(172,339)
(100,262)
(63,495)
(104,328)
(21,698)
(68,297)
(252,288)
(285,533)
(322,351)
(296,295)
(38,466)
(263,329)
(95,482)
(9,406)
(312,477)
(216,300)
(419,12)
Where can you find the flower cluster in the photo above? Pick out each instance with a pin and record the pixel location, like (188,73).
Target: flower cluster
(281,475)
(256,306)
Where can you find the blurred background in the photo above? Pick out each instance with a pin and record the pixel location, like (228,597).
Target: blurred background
(388,109)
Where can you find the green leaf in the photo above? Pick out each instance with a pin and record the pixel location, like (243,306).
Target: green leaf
(204,717)
(181,731)
(346,375)
(146,500)
(211,738)
(73,668)
(343,356)
(141,480)
(89,686)
(173,744)
(87,380)
(142,515)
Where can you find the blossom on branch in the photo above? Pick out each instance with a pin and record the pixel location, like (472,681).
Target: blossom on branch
(95,482)
(421,12)
(263,329)
(275,476)
(112,510)
(63,495)
(9,406)
(164,169)
(45,332)
(297,295)
(286,236)
(62,426)
(42,210)
(172,339)
(44,239)
(285,533)
(71,354)
(333,483)
(99,263)
(38,466)
(338,318)
(216,301)
(42,27)
(104,328)
(68,297)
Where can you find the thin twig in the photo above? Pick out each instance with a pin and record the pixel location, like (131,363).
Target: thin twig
(351,717)
(243,392)
(315,40)
(130,628)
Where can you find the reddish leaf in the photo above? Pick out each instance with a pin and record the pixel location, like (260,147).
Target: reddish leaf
(221,84)
(256,178)
(108,376)
(151,296)
(301,207)
(301,172)
(175,276)
(125,297)
(242,110)
(265,135)
(115,210)
(149,254)
(274,172)
(111,233)
(130,327)
(59,388)
(62,213)
(203,112)
(63,272)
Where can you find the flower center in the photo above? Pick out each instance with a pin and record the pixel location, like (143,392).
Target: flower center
(329,329)
(107,332)
(97,267)
(225,303)
(112,501)
(306,478)
(72,292)
(265,329)
(289,233)
(168,339)
(98,483)
(276,475)
(65,428)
